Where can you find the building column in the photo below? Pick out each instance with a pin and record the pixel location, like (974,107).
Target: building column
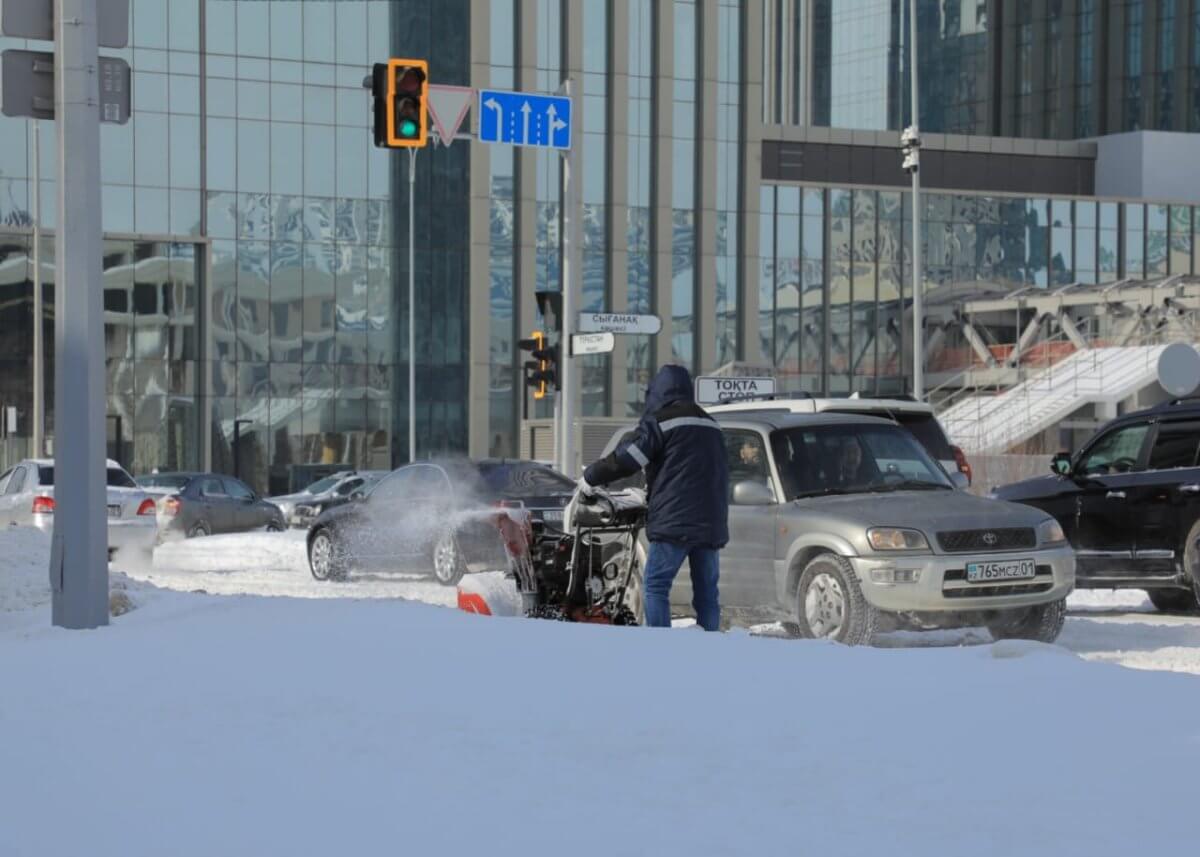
(707,93)
(617,193)
(750,169)
(662,230)
(479,261)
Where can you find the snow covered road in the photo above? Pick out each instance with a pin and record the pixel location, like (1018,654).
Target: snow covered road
(1119,627)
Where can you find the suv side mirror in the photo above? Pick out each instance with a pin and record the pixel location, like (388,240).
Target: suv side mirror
(960,480)
(357,496)
(1061,464)
(750,492)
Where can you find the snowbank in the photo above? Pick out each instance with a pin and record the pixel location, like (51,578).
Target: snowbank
(271,564)
(285,726)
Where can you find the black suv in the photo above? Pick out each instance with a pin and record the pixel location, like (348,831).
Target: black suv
(1129,502)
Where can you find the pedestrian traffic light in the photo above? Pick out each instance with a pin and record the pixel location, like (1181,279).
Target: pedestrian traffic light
(542,370)
(400,88)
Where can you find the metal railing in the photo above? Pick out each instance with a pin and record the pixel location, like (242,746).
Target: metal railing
(994,418)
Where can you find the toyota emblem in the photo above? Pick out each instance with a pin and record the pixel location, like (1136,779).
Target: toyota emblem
(990,539)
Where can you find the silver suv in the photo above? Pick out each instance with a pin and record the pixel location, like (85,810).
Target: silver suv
(849,525)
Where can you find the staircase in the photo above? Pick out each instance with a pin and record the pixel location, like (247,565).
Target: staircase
(993,423)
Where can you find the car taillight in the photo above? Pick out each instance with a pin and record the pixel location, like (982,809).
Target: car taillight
(171,506)
(964,466)
(43,505)
(147,507)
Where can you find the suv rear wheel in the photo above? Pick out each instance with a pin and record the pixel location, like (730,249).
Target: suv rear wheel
(830,604)
(1042,623)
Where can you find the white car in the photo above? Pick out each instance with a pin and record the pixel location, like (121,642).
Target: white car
(27,500)
(915,416)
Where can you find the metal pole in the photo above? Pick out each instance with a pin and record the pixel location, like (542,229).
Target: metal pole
(571,220)
(918,312)
(79,552)
(39,380)
(412,311)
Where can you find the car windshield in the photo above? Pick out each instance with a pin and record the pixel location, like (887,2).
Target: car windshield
(522,479)
(924,427)
(853,459)
(323,485)
(117,478)
(175,483)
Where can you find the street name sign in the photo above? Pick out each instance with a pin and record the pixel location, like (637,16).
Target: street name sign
(592,343)
(616,322)
(34,19)
(27,86)
(524,119)
(711,390)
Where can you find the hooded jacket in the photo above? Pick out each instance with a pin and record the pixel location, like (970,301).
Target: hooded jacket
(682,451)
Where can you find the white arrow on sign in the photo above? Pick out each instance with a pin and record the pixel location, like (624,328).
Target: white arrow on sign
(711,390)
(615,322)
(592,343)
(448,106)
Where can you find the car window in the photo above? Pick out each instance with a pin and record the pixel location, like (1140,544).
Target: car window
(322,485)
(398,485)
(1175,446)
(212,488)
(118,478)
(4,480)
(348,487)
(520,479)
(16,482)
(175,483)
(1119,451)
(747,457)
(238,490)
(430,483)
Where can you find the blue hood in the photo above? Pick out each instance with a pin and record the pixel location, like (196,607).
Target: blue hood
(672,384)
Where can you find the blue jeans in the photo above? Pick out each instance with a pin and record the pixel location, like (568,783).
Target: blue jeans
(661,567)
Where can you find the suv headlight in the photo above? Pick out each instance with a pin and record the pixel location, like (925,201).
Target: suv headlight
(894,539)
(1050,532)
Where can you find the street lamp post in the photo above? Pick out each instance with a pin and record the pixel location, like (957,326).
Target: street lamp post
(910,142)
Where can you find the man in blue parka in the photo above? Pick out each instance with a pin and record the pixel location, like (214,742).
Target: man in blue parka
(687,483)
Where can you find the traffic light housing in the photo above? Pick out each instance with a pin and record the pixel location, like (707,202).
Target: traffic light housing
(400,88)
(542,370)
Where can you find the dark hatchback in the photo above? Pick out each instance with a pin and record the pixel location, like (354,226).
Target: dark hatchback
(1129,502)
(205,504)
(433,519)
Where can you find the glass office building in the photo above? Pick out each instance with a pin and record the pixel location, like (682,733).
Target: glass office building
(255,263)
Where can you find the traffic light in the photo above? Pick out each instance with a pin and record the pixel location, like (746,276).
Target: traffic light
(542,370)
(400,88)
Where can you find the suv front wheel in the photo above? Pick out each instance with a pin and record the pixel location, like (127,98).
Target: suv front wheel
(1042,623)
(830,604)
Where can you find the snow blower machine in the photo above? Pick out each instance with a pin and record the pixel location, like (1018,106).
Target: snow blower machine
(587,571)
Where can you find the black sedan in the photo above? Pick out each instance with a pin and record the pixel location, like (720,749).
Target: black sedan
(433,519)
(204,504)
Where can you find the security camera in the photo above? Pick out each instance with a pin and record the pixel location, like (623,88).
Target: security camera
(912,161)
(909,138)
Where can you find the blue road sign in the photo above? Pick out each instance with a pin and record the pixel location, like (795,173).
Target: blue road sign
(524,119)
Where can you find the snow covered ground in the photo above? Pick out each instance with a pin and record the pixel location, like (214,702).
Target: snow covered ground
(201,724)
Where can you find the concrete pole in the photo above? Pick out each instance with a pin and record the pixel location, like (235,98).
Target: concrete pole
(39,347)
(572,245)
(918,311)
(412,310)
(79,555)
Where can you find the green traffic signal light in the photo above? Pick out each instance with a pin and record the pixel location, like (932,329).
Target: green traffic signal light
(408,128)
